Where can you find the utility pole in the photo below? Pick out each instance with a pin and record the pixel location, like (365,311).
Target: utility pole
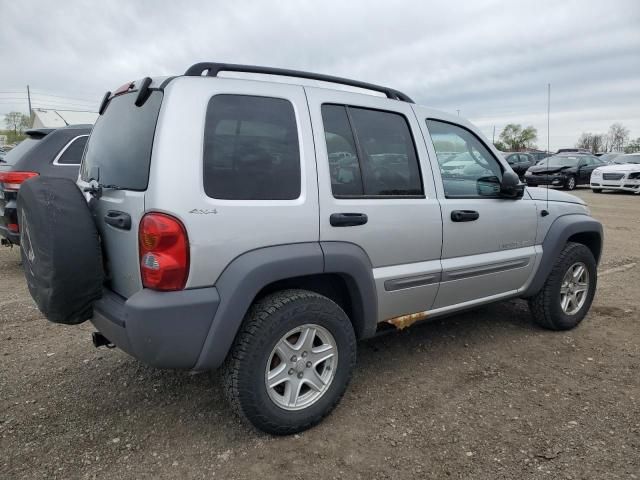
(458,112)
(493,139)
(29,100)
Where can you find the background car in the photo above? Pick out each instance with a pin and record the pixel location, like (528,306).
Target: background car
(565,170)
(609,157)
(520,162)
(48,152)
(623,174)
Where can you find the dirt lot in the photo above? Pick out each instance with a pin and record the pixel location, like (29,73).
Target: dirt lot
(480,395)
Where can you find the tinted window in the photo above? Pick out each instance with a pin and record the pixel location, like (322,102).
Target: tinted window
(73,154)
(371,153)
(467,167)
(251,149)
(341,149)
(19,151)
(119,149)
(389,163)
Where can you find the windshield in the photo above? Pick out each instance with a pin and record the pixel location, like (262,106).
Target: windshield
(119,148)
(622,159)
(15,154)
(561,161)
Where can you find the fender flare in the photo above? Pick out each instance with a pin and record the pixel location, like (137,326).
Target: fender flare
(557,236)
(249,273)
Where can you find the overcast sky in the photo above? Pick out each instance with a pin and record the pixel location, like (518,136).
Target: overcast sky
(491,60)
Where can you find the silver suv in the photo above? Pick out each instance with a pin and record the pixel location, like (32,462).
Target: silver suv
(266,221)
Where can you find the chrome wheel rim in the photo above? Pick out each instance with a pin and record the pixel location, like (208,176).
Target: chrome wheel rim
(574,288)
(572,183)
(301,367)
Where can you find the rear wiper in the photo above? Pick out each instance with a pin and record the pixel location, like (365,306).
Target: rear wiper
(96,188)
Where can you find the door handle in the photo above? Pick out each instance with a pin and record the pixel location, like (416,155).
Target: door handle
(118,219)
(347,219)
(464,215)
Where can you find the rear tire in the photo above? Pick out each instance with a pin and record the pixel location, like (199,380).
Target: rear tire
(549,307)
(273,364)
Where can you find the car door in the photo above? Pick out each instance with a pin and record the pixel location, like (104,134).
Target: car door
(376,191)
(526,161)
(488,248)
(586,166)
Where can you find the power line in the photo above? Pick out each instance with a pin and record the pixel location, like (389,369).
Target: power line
(40,92)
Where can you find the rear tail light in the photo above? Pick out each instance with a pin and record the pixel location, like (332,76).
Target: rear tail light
(164,252)
(13,180)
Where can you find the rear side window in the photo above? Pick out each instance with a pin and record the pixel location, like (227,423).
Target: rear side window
(371,153)
(251,149)
(119,149)
(20,150)
(73,153)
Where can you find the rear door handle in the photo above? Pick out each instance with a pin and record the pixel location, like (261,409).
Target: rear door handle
(118,219)
(347,219)
(464,215)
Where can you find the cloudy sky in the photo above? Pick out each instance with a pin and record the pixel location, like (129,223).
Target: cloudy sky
(491,60)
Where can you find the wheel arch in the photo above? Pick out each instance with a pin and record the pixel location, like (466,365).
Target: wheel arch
(341,271)
(567,228)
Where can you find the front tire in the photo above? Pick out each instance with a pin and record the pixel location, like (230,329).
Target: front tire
(566,296)
(571,183)
(596,190)
(291,361)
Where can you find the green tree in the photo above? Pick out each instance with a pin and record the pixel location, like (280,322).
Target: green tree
(516,138)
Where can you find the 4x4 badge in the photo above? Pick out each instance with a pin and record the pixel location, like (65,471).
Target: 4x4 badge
(203,211)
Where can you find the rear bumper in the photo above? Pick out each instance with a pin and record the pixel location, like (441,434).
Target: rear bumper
(9,235)
(8,215)
(162,329)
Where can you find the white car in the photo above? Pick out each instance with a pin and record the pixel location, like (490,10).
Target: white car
(622,174)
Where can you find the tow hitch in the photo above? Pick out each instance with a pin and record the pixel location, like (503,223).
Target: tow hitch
(99,340)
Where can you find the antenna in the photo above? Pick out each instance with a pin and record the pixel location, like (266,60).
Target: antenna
(548,136)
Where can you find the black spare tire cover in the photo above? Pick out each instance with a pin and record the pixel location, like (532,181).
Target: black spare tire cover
(60,249)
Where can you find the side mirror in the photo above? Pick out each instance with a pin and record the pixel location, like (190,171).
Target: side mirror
(510,186)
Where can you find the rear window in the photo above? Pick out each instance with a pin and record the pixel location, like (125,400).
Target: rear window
(251,149)
(119,149)
(19,151)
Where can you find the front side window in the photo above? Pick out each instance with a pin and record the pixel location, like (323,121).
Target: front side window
(371,153)
(251,149)
(73,153)
(467,167)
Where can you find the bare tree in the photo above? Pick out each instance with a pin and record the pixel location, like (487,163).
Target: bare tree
(16,121)
(618,136)
(584,141)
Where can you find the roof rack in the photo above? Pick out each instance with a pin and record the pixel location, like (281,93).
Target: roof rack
(213,69)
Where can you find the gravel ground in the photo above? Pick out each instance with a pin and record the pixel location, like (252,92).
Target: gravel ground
(479,395)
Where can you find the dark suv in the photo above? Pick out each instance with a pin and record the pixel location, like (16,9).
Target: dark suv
(46,151)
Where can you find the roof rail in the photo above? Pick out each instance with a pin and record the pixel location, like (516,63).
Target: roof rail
(212,70)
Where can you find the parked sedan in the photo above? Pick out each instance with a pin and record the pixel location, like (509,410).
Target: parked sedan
(519,162)
(45,151)
(623,174)
(564,170)
(610,157)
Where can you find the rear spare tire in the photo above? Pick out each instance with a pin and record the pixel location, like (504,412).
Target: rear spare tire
(60,249)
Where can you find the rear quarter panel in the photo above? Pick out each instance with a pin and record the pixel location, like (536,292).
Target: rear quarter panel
(221,230)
